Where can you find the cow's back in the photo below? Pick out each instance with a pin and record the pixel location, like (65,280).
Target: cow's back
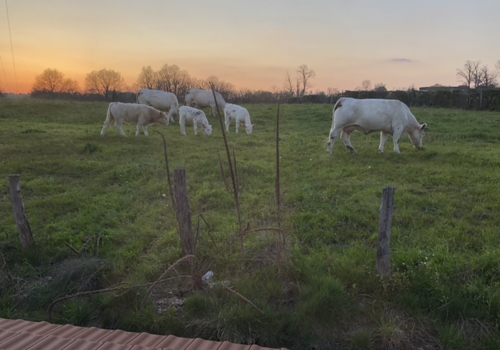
(188,113)
(157,99)
(370,114)
(203,98)
(235,111)
(131,112)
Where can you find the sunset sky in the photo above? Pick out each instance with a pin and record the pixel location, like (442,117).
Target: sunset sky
(251,44)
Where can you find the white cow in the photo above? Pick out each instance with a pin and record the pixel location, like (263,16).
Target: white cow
(390,117)
(240,115)
(162,100)
(204,98)
(133,113)
(196,116)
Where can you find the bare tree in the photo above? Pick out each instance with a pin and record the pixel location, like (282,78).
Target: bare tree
(480,76)
(469,73)
(291,85)
(173,79)
(147,78)
(70,85)
(366,85)
(477,77)
(52,80)
(197,83)
(304,76)
(227,90)
(297,86)
(487,77)
(103,82)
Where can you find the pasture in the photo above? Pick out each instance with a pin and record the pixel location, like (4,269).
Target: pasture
(108,198)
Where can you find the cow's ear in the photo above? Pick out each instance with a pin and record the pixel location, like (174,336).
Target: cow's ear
(424,125)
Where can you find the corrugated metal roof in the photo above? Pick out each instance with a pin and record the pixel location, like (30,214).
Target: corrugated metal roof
(27,335)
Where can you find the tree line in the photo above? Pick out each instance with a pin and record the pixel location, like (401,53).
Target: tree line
(109,85)
(477,76)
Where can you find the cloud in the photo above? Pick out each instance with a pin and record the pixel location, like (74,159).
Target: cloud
(401,60)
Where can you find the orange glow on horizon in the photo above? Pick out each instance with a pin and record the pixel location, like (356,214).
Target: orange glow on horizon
(253,78)
(250,45)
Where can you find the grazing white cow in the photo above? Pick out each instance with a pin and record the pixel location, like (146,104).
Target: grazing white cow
(133,113)
(196,116)
(240,115)
(390,117)
(204,98)
(162,100)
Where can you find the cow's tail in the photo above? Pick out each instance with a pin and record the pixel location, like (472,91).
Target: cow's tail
(338,104)
(109,119)
(109,115)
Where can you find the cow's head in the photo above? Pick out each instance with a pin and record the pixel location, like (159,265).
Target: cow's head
(207,129)
(417,134)
(163,119)
(249,128)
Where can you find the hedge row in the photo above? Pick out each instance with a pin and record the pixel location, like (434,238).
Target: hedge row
(112,96)
(484,99)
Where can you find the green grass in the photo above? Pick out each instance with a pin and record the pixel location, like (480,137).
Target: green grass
(105,196)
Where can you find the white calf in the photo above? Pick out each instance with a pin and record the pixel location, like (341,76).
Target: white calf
(240,115)
(196,116)
(133,113)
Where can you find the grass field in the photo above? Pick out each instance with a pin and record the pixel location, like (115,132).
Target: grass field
(108,198)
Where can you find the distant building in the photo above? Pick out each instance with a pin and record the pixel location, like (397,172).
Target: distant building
(443,88)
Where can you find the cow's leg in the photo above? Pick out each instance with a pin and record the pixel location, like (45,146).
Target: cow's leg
(105,126)
(345,135)
(138,129)
(109,118)
(171,115)
(237,125)
(118,127)
(227,120)
(334,133)
(182,123)
(383,139)
(145,129)
(396,136)
(195,126)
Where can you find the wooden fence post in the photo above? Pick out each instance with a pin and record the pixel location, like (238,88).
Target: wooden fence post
(23,226)
(384,233)
(183,213)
